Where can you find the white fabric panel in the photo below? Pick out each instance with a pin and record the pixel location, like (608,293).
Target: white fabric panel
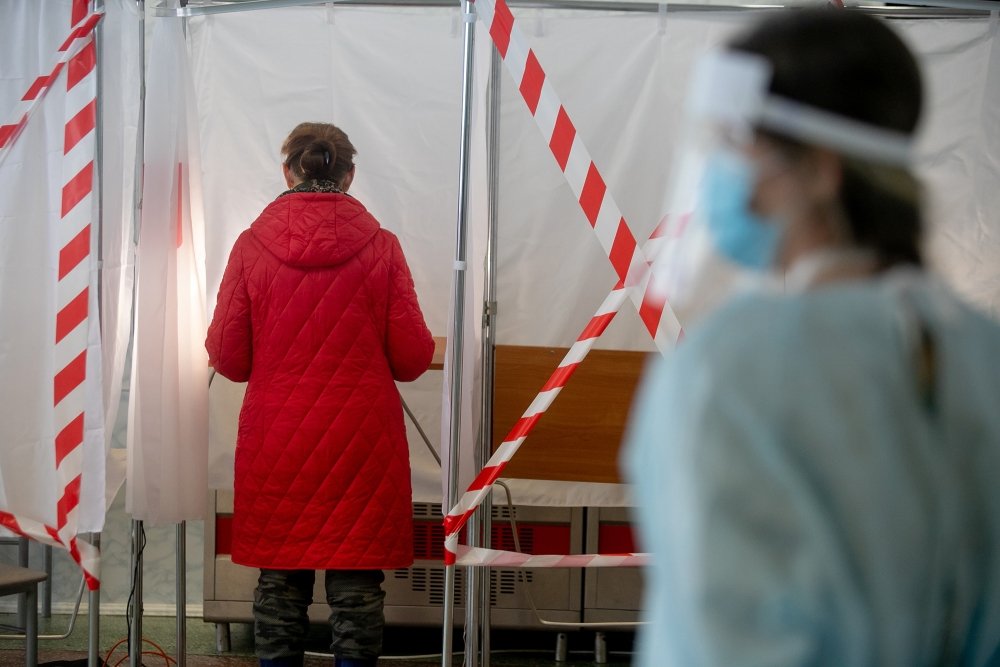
(625,100)
(424,398)
(392,80)
(120,34)
(622,78)
(29,196)
(631,126)
(224,401)
(30,215)
(168,425)
(959,152)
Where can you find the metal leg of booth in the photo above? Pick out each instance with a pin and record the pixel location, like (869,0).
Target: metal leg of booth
(600,649)
(22,599)
(31,627)
(562,650)
(47,595)
(223,643)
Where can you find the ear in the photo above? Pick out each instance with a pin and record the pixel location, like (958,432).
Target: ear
(287,173)
(345,182)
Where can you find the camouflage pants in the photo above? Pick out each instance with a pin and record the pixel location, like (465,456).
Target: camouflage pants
(281,604)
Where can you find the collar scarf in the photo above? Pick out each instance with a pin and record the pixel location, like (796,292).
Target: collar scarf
(328,187)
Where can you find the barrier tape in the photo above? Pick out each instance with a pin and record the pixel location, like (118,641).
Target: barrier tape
(584,178)
(483,483)
(86,555)
(629,261)
(494,558)
(78,38)
(492,471)
(73,287)
(78,57)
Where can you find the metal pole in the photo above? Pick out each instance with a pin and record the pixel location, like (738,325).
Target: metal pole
(140,139)
(31,626)
(99,150)
(489,327)
(93,597)
(473,586)
(457,333)
(182,594)
(135,633)
(927,8)
(47,599)
(94,618)
(22,599)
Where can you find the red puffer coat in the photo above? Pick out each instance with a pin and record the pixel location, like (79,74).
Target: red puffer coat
(318,314)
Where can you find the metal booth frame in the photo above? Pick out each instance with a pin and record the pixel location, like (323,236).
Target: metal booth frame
(477,601)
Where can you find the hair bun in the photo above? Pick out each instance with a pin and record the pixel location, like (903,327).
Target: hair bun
(317,160)
(318,151)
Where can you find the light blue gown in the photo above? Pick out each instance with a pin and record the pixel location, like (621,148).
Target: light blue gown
(805,501)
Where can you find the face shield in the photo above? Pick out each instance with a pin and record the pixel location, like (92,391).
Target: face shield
(717,244)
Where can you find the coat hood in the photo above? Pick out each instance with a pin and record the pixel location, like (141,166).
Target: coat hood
(314,228)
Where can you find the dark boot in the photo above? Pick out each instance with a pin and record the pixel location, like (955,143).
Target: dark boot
(355,662)
(290,661)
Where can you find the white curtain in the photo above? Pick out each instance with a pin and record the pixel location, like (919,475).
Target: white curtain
(959,151)
(31,179)
(29,201)
(392,79)
(120,73)
(168,425)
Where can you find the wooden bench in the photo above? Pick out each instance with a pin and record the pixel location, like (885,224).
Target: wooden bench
(21,580)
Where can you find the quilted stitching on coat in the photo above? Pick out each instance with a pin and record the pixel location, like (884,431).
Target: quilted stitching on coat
(317,312)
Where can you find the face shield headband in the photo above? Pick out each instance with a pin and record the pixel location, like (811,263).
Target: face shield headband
(730,91)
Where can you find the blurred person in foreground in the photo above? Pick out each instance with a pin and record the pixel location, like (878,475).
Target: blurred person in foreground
(318,314)
(816,465)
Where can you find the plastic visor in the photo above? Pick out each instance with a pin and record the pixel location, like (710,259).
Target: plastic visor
(723,99)
(728,100)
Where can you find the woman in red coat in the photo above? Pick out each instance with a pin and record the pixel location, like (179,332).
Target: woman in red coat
(317,313)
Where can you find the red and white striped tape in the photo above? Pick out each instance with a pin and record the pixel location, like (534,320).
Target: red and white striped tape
(582,174)
(481,486)
(78,57)
(495,558)
(79,37)
(73,287)
(629,261)
(82,552)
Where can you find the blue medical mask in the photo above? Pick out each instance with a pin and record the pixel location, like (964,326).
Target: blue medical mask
(738,233)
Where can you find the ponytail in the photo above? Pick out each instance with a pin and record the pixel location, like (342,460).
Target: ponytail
(318,152)
(882,205)
(317,160)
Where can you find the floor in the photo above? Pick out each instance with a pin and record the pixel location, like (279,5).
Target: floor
(404,647)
